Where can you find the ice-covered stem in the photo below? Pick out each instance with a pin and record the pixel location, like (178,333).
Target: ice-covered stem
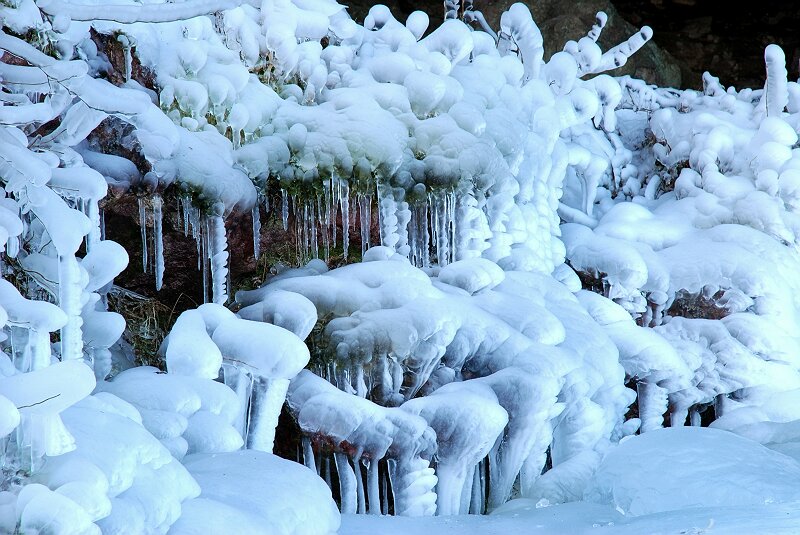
(69,299)
(451,8)
(599,23)
(652,405)
(776,92)
(472,15)
(519,33)
(218,245)
(618,56)
(129,14)
(477,16)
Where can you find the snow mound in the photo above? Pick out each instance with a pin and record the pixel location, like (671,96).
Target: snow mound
(682,467)
(228,479)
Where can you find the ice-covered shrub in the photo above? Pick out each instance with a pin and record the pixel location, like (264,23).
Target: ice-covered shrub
(461,362)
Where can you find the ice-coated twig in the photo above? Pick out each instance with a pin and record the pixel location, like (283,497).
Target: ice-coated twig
(128,14)
(599,23)
(618,56)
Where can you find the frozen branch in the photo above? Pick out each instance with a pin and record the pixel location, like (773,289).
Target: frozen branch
(128,14)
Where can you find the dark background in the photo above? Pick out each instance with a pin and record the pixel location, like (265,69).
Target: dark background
(691,36)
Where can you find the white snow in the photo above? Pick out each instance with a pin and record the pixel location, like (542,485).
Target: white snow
(555,243)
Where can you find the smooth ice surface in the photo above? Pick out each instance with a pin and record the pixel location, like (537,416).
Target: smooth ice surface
(686,467)
(227,478)
(523,517)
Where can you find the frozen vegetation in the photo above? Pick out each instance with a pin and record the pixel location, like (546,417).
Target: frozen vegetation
(556,263)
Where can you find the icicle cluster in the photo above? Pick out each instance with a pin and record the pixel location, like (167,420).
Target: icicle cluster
(490,360)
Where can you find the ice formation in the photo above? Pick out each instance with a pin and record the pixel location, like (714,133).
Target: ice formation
(627,476)
(541,245)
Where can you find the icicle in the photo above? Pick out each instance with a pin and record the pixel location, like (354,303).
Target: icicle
(324,214)
(476,503)
(96,232)
(306,232)
(362,502)
(125,41)
(389,219)
(412,239)
(30,349)
(308,454)
(360,385)
(364,203)
(203,258)
(373,491)
(158,238)
(312,220)
(694,417)
(720,405)
(451,221)
(240,382)
(334,211)
(265,405)
(385,495)
(218,254)
(677,417)
(434,219)
(421,235)
(285,209)
(652,405)
(344,200)
(186,206)
(328,479)
(347,483)
(143,228)
(442,234)
(69,299)
(412,482)
(256,213)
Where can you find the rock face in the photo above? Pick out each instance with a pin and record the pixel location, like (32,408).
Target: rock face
(561,21)
(705,35)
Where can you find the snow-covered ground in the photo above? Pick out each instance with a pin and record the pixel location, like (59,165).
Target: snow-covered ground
(672,481)
(585,519)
